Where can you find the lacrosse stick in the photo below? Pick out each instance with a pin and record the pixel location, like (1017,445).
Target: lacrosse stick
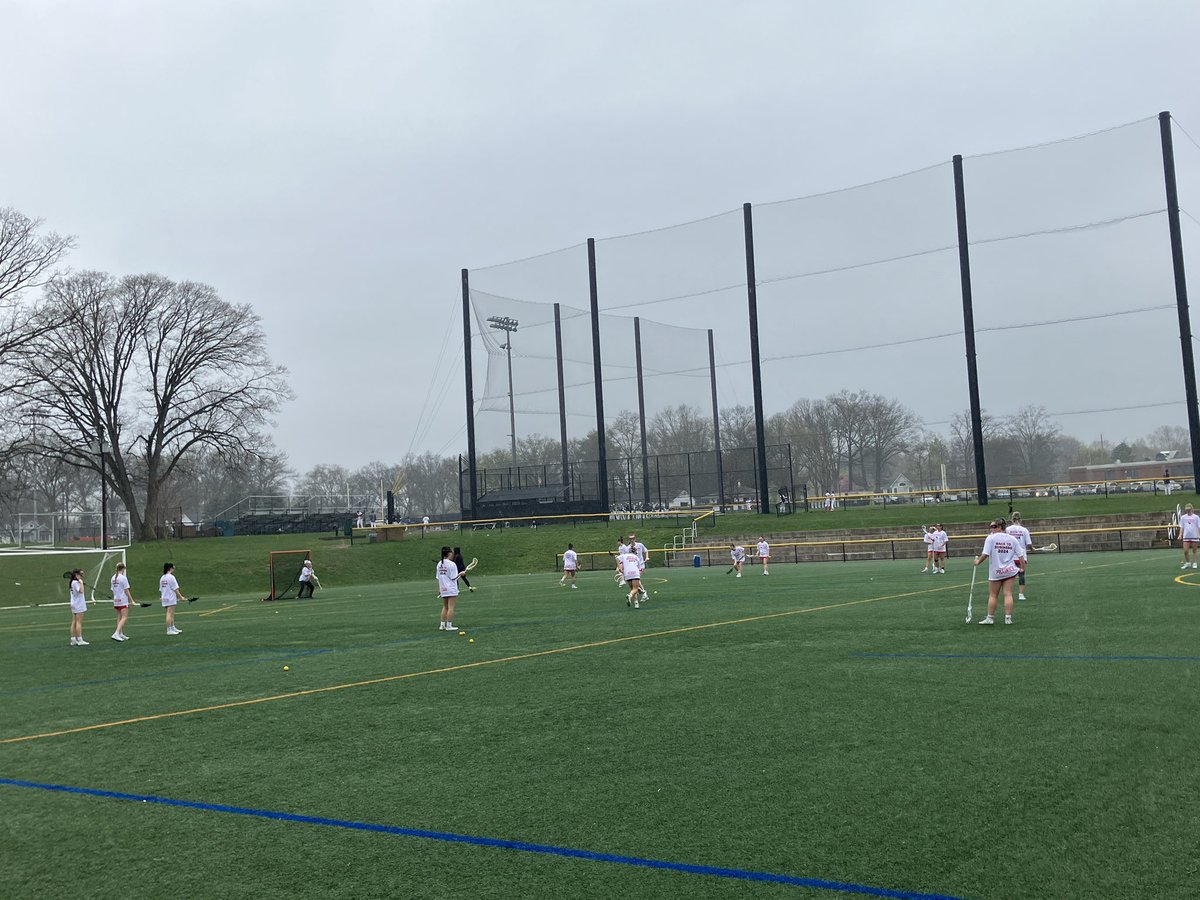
(971,595)
(192,599)
(143,605)
(730,570)
(315,580)
(472,564)
(1049,548)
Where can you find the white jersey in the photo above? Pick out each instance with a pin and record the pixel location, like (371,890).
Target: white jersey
(1021,534)
(1003,551)
(927,537)
(168,589)
(78,598)
(306,574)
(639,549)
(447,578)
(1189,524)
(120,590)
(940,540)
(570,561)
(764,549)
(622,548)
(738,553)
(630,567)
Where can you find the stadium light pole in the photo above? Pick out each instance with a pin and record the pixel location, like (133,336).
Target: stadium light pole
(508,325)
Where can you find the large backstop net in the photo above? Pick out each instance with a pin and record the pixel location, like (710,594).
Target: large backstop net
(861,297)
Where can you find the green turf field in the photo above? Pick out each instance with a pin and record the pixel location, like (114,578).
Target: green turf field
(830,726)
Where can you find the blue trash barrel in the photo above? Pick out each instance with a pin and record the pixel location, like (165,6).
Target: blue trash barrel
(696,560)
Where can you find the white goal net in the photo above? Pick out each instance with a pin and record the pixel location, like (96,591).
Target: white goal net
(35,577)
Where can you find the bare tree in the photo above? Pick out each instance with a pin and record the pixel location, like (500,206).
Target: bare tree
(679,429)
(157,370)
(737,426)
(1033,436)
(888,428)
(28,259)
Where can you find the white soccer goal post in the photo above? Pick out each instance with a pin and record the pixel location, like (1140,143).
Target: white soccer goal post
(35,577)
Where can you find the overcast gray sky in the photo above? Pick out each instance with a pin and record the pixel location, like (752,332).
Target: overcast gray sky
(336,164)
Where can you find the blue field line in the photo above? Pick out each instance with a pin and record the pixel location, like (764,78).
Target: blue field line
(1047,657)
(499,843)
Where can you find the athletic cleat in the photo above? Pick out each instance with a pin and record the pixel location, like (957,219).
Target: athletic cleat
(635,605)
(1195,565)
(1186,566)
(1020,596)
(574,587)
(174,630)
(628,602)
(739,575)
(80,642)
(987,620)
(117,637)
(1008,620)
(74,642)
(124,636)
(450,626)
(471,589)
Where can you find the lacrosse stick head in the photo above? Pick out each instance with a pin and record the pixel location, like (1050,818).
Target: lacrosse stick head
(472,564)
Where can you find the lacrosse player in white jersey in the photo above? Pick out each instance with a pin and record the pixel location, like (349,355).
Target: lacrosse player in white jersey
(737,553)
(121,600)
(940,540)
(1005,556)
(570,567)
(927,537)
(639,549)
(622,549)
(632,573)
(1189,530)
(447,579)
(1021,534)
(764,553)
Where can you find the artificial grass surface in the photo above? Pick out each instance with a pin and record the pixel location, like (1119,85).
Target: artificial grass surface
(836,722)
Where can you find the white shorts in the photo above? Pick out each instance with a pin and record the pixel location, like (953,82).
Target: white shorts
(170,601)
(79,606)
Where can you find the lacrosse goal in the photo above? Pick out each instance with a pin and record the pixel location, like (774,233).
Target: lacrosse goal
(284,567)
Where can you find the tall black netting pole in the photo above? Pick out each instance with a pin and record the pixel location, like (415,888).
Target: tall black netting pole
(964,270)
(712,381)
(1181,298)
(598,372)
(641,388)
(760,436)
(471,470)
(562,400)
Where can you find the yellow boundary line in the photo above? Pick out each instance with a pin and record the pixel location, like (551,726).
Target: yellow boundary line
(213,612)
(504,659)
